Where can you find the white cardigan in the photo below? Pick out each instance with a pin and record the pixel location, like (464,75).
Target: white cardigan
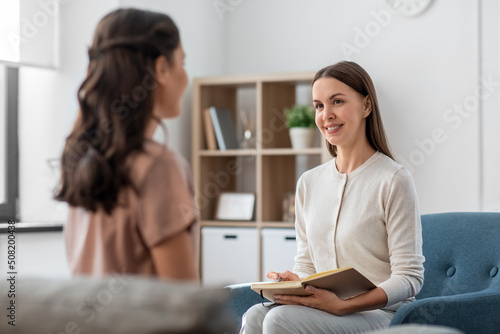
(368,219)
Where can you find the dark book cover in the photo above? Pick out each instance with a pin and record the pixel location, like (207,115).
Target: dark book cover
(224,128)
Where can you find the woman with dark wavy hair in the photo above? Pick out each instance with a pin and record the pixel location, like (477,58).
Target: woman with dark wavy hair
(131,205)
(359,209)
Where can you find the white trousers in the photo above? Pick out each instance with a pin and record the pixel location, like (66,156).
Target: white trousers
(287,319)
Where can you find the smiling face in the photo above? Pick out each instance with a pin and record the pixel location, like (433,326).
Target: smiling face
(340,112)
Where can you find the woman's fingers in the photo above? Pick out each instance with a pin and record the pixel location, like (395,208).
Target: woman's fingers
(273,275)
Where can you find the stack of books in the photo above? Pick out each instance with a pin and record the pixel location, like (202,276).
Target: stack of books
(220,129)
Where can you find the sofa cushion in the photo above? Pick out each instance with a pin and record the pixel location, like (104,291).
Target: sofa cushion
(461,253)
(115,304)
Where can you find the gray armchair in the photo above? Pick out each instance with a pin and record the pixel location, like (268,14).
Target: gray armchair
(461,284)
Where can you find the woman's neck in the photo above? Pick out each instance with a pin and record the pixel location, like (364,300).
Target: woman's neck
(150,129)
(348,159)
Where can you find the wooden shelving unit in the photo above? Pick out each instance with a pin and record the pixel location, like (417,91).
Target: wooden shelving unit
(271,169)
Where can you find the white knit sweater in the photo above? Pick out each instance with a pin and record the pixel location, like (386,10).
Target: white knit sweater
(368,219)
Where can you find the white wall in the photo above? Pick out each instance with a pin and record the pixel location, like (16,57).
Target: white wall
(490,112)
(37,255)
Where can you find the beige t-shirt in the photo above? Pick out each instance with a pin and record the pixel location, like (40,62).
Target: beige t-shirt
(99,244)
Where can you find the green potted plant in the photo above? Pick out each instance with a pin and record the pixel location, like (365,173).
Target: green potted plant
(301,125)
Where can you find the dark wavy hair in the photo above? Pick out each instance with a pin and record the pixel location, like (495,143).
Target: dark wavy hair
(358,79)
(116,105)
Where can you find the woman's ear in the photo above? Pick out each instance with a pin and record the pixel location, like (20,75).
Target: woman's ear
(162,69)
(368,106)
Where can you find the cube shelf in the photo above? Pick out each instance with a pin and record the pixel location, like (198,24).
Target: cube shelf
(270,169)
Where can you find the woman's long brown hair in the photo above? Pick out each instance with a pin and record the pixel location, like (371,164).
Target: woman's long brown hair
(358,79)
(116,105)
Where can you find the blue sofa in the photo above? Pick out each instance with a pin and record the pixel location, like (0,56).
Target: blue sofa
(462,280)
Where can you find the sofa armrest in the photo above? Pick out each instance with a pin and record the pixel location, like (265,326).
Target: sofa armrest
(242,297)
(475,312)
(114,304)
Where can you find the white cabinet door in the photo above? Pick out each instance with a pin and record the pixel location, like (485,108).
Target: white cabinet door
(278,250)
(229,255)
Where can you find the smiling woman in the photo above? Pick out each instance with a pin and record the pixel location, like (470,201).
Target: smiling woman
(357,210)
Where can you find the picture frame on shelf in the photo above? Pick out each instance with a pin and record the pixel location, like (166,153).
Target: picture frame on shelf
(235,206)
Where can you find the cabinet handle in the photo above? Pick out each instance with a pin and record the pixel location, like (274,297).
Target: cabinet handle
(290,238)
(230,236)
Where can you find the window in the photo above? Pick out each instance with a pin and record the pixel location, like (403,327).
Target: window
(29,32)
(9,180)
(10,27)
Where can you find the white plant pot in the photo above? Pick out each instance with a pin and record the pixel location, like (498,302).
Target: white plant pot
(302,137)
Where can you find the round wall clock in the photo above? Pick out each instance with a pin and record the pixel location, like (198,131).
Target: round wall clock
(408,7)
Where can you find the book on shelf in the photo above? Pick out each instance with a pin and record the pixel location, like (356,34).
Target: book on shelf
(224,128)
(345,282)
(209,130)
